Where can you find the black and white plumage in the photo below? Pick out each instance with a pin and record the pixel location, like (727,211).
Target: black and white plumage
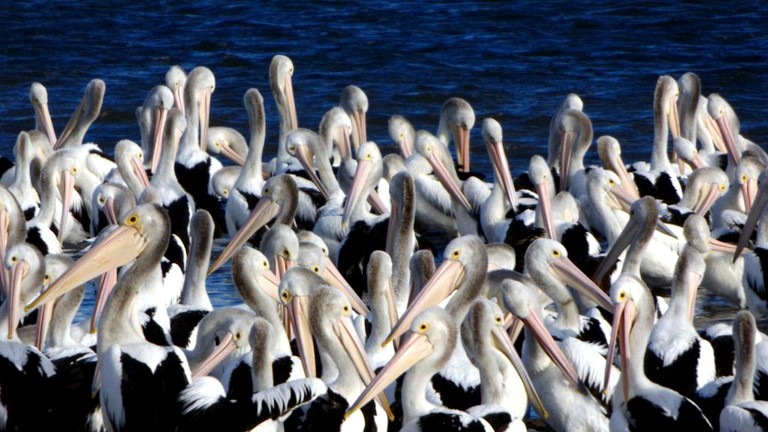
(756,262)
(742,412)
(677,357)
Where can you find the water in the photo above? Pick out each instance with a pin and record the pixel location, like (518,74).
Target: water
(512,61)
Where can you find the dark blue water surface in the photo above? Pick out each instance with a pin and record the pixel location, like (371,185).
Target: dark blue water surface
(512,61)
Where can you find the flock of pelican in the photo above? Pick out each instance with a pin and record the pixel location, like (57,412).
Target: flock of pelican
(348,322)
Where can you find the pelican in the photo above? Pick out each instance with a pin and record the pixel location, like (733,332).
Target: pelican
(432,338)
(152,116)
(280,81)
(568,404)
(247,188)
(223,182)
(130,164)
(279,199)
(25,373)
(194,167)
(456,120)
(355,103)
(330,323)
(336,129)
(176,79)
(576,136)
(639,403)
(228,142)
(742,412)
(722,276)
(194,303)
(754,267)
(21,187)
(741,193)
(677,357)
(38,96)
(109,202)
(85,114)
(554,150)
(175,199)
(401,131)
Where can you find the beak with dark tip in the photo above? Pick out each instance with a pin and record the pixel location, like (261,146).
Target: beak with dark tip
(264,211)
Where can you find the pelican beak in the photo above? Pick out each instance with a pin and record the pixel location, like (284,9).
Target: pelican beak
(70,127)
(448,182)
(178,98)
(43,323)
(729,139)
(623,317)
(224,348)
(545,207)
(343,143)
(44,114)
(761,200)
(138,170)
(625,200)
(335,279)
(115,249)
(345,332)
(106,283)
(536,327)
(414,349)
(462,148)
(570,275)
(504,344)
(627,184)
(288,88)
(706,200)
(697,162)
(501,166)
(5,222)
(231,154)
(266,209)
(405,147)
(282,264)
(270,283)
(748,192)
(161,114)
(67,189)
(364,168)
(17,271)
(444,282)
(362,136)
(721,246)
(693,287)
(674,118)
(205,115)
(377,203)
(298,314)
(616,249)
(714,131)
(566,151)
(306,158)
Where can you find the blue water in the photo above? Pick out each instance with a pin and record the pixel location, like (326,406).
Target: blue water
(512,61)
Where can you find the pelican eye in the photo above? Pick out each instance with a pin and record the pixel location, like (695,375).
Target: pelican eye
(216,340)
(102,200)
(722,187)
(13,259)
(429,149)
(238,335)
(611,182)
(266,191)
(291,149)
(455,254)
(132,220)
(744,178)
(346,309)
(46,278)
(225,192)
(556,253)
(423,327)
(316,269)
(286,254)
(498,319)
(265,264)
(368,156)
(623,295)
(286,296)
